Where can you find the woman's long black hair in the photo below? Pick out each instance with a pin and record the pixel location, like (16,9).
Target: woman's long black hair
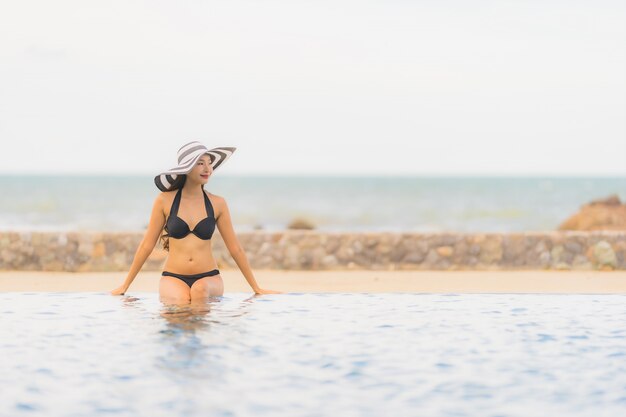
(165,237)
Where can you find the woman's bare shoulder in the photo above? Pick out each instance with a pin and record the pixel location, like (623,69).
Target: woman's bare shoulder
(165,198)
(165,195)
(218,203)
(217,198)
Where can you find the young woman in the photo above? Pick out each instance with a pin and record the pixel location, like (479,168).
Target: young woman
(190,272)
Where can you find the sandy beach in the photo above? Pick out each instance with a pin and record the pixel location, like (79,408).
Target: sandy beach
(574,282)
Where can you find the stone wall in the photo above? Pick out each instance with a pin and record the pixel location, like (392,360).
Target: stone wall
(315,250)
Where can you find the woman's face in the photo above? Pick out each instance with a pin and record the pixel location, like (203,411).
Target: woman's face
(203,170)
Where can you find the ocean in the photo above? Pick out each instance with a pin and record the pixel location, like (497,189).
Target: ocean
(332,204)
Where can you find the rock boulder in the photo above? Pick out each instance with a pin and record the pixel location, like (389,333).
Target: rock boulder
(604,214)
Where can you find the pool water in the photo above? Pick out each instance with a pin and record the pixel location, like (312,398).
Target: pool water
(92,354)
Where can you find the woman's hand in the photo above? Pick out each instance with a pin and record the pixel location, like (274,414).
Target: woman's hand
(262,291)
(119,291)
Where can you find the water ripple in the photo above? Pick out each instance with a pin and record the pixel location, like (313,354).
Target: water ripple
(314,354)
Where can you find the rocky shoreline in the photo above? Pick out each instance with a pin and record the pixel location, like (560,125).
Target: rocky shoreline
(314,250)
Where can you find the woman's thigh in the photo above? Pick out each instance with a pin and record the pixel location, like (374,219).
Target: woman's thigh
(207,287)
(173,291)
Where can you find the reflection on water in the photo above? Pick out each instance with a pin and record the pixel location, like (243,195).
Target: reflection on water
(195,315)
(183,352)
(188,349)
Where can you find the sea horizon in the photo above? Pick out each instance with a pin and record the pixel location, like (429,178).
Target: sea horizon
(332,203)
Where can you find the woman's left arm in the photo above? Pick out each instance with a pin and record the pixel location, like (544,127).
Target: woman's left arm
(225,226)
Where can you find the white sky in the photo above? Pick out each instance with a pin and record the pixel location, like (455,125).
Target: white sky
(315,87)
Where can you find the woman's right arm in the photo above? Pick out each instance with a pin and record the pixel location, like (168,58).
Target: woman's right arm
(157,221)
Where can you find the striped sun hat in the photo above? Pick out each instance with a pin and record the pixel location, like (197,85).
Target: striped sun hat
(188,155)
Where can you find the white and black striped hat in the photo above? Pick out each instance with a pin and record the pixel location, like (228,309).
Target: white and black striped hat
(188,155)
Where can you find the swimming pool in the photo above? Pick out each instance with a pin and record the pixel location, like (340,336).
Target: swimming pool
(92,354)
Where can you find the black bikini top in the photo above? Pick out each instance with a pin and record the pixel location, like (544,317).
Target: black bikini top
(177,228)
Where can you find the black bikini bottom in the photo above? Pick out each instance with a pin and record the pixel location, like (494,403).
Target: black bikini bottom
(190,279)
